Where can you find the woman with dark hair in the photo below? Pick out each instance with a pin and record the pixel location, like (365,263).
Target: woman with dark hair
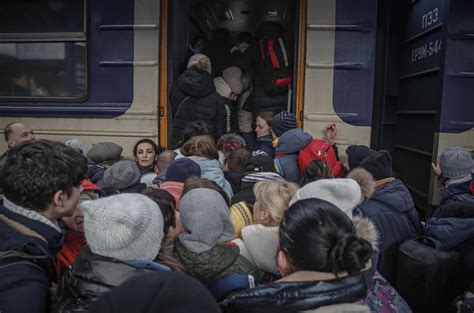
(321,260)
(146,153)
(316,169)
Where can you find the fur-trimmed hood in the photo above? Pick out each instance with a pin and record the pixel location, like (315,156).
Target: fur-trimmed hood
(365,180)
(366,229)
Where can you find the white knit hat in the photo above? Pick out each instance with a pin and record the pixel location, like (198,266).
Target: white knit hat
(194,60)
(222,88)
(344,193)
(233,77)
(125,226)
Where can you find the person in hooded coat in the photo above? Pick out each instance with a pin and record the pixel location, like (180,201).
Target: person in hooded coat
(392,210)
(193,97)
(202,248)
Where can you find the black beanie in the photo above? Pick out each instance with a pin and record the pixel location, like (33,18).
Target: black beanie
(379,164)
(260,163)
(356,153)
(283,122)
(181,169)
(157,292)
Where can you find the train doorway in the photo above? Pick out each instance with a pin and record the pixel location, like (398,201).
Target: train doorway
(186,22)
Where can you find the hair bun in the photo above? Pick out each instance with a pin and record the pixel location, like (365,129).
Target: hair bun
(356,254)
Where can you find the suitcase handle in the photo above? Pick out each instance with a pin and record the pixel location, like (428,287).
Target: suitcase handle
(429,241)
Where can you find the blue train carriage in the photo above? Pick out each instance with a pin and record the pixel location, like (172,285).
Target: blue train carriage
(81,69)
(428,87)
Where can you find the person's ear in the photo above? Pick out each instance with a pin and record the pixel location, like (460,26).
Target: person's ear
(266,217)
(284,265)
(58,198)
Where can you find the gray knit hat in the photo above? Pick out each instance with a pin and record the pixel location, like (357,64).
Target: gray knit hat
(456,162)
(206,220)
(122,175)
(104,151)
(283,122)
(78,145)
(125,226)
(233,77)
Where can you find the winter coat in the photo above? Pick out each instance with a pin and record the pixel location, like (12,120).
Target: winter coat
(93,275)
(74,241)
(216,263)
(234,179)
(457,190)
(259,244)
(393,212)
(265,144)
(286,153)
(193,98)
(301,292)
(218,51)
(455,230)
(211,169)
(24,283)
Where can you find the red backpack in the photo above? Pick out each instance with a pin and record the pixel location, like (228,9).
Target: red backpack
(277,67)
(319,149)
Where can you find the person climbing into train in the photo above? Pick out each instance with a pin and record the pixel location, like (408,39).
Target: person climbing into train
(392,210)
(124,234)
(193,97)
(229,87)
(288,141)
(41,184)
(330,279)
(454,170)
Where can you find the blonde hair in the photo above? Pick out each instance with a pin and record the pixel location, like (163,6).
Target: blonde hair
(202,146)
(274,196)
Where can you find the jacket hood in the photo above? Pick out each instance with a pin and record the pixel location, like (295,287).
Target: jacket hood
(366,229)
(458,188)
(451,231)
(293,141)
(395,195)
(196,83)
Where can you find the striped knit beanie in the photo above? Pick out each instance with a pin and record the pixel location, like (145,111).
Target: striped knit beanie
(283,122)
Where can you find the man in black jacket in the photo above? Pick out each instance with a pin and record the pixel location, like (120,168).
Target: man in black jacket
(41,184)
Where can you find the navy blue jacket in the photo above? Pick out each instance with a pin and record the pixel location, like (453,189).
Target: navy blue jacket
(24,285)
(393,212)
(265,144)
(458,234)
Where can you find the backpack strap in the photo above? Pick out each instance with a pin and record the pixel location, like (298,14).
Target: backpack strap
(283,51)
(278,166)
(273,56)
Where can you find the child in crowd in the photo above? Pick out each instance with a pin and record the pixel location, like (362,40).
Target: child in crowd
(234,168)
(176,174)
(202,150)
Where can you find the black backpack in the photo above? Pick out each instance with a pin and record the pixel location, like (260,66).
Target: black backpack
(428,276)
(275,59)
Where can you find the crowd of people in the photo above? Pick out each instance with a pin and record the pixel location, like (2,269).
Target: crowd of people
(227,220)
(213,227)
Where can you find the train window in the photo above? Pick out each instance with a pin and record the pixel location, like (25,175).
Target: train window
(43,49)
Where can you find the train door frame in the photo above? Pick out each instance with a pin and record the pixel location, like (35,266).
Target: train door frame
(163,124)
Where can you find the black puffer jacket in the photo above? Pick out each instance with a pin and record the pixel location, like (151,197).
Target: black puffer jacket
(193,98)
(297,296)
(90,277)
